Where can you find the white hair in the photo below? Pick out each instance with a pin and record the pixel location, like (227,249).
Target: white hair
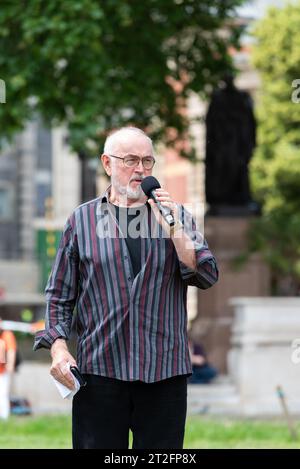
(113,139)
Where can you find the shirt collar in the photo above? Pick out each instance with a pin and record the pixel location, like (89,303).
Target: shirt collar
(104,197)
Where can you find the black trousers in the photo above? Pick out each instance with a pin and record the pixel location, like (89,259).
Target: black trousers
(106,408)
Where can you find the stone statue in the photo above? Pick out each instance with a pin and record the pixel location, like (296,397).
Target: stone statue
(230,140)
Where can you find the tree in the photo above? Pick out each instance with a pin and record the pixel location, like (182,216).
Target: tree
(95,65)
(276,164)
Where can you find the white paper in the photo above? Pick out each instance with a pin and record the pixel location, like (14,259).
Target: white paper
(64,391)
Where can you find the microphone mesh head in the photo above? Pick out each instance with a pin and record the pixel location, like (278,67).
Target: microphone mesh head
(149,184)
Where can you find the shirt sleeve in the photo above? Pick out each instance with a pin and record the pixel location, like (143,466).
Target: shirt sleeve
(206,273)
(61,291)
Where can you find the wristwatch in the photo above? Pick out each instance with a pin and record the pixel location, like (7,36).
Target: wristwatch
(178,226)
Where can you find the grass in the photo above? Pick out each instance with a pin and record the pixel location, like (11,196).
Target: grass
(36,432)
(55,432)
(210,433)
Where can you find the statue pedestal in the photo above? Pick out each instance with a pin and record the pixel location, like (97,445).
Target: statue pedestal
(264,354)
(227,238)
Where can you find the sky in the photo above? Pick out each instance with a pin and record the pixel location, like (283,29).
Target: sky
(257,8)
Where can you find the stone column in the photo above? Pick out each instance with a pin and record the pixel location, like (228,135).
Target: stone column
(27,157)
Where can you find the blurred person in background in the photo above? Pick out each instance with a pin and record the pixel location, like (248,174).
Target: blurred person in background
(8,350)
(203,371)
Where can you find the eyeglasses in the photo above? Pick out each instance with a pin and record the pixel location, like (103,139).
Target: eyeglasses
(132,160)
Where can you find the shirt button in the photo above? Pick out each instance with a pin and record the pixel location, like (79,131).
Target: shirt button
(125,257)
(129,278)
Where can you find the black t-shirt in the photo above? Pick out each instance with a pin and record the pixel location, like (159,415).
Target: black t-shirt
(124,216)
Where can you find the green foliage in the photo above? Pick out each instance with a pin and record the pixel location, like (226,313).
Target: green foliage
(95,65)
(277,57)
(276,165)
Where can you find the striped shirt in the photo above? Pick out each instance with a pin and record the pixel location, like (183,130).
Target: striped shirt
(129,328)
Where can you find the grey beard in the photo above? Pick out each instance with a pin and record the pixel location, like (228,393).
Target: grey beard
(133,194)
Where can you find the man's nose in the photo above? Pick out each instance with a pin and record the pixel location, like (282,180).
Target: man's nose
(140,167)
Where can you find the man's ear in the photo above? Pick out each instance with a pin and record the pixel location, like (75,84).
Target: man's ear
(106,163)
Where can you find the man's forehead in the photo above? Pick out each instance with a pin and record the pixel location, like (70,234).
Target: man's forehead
(134,143)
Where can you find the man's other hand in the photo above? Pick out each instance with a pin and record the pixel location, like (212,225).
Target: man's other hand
(61,359)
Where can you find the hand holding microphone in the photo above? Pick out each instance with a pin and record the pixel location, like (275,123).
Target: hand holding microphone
(164,208)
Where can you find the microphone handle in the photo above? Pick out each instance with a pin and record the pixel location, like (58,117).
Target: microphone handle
(165,211)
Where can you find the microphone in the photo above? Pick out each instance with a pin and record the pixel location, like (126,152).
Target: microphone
(149,184)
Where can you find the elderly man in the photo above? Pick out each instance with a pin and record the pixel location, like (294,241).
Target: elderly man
(130,293)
